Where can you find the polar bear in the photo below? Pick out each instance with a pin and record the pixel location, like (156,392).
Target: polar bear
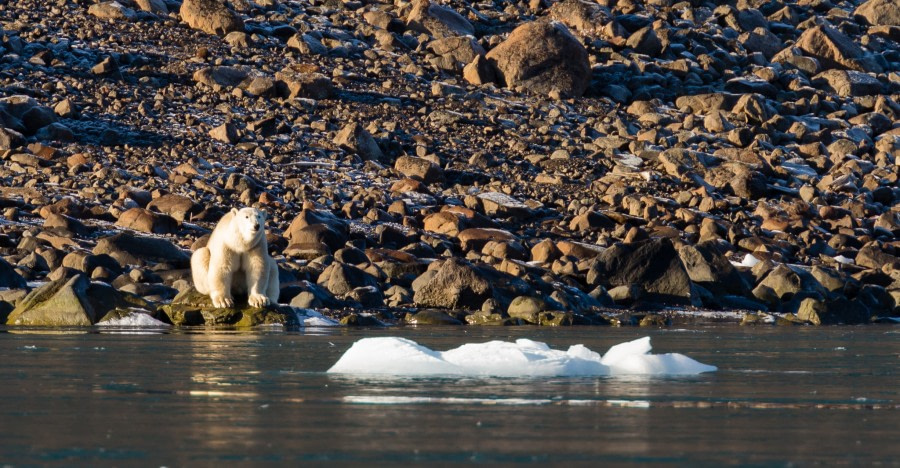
(237,258)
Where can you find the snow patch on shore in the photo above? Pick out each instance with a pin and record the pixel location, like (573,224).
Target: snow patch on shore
(522,358)
(311,318)
(134,320)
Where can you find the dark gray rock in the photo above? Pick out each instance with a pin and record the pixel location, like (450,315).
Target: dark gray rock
(708,267)
(653,265)
(340,279)
(839,311)
(9,278)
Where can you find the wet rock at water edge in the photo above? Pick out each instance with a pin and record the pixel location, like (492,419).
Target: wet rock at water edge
(190,308)
(432,317)
(653,265)
(73,301)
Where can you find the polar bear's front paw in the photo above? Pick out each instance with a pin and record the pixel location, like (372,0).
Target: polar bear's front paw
(222,301)
(258,300)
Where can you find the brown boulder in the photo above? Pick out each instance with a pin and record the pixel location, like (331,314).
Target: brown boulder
(357,139)
(316,233)
(580,15)
(129,249)
(211,16)
(542,57)
(761,40)
(303,80)
(110,10)
(880,12)
(455,284)
(221,77)
(153,6)
(874,256)
(437,20)
(848,83)
(143,220)
(443,223)
(458,49)
(476,238)
(835,50)
(177,206)
(419,169)
(479,71)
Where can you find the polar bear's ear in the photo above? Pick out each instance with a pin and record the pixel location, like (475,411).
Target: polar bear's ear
(234,211)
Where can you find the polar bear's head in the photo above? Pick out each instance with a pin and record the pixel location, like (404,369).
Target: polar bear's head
(250,223)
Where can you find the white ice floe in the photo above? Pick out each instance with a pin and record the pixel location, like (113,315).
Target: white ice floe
(134,320)
(524,358)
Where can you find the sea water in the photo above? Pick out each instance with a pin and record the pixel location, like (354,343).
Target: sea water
(160,397)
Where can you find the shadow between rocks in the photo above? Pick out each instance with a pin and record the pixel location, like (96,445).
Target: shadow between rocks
(104,132)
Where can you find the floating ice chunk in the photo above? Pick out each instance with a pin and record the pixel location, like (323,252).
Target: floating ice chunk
(523,358)
(621,351)
(390,355)
(659,364)
(134,320)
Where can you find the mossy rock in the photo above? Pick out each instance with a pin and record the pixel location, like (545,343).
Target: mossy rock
(556,319)
(360,320)
(788,320)
(74,301)
(753,319)
(480,318)
(821,312)
(495,320)
(432,317)
(654,320)
(190,308)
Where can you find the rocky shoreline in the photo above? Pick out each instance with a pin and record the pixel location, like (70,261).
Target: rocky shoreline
(492,163)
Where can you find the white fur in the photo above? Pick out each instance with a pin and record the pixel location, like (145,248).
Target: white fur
(237,258)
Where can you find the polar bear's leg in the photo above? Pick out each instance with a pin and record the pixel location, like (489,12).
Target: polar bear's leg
(221,268)
(257,275)
(273,286)
(200,269)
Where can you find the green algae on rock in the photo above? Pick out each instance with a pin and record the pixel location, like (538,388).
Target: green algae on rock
(74,301)
(190,308)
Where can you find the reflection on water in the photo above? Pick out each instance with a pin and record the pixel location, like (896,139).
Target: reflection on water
(781,396)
